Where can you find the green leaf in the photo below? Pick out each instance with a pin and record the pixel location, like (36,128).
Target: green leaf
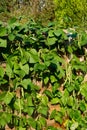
(46,80)
(18,104)
(2,95)
(3,31)
(51,41)
(25,68)
(39,66)
(42,121)
(82,39)
(58,117)
(32,122)
(48,93)
(82,106)
(52,128)
(29,101)
(5,118)
(25,83)
(75,115)
(9,71)
(58,32)
(11,37)
(83,90)
(70,101)
(55,100)
(74,126)
(52,116)
(50,33)
(33,56)
(65,97)
(43,110)
(2,72)
(53,79)
(20,73)
(3,43)
(8,97)
(55,87)
(30,110)
(44,100)
(70,50)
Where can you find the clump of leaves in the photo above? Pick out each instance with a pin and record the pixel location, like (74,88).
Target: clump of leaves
(34,53)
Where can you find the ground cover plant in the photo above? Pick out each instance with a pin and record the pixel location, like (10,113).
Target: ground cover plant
(43,77)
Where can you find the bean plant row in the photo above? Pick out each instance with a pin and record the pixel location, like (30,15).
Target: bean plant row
(40,67)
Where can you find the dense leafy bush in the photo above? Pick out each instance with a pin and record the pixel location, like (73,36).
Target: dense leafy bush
(32,54)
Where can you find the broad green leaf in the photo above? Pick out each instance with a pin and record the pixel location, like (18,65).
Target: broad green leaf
(75,115)
(44,100)
(58,32)
(53,79)
(53,113)
(55,100)
(32,122)
(51,41)
(3,81)
(25,83)
(46,80)
(2,95)
(3,43)
(43,110)
(74,126)
(25,68)
(39,66)
(33,55)
(82,38)
(48,93)
(65,97)
(30,101)
(5,118)
(3,31)
(8,97)
(70,101)
(70,50)
(50,33)
(20,73)
(18,104)
(58,117)
(9,71)
(2,72)
(42,121)
(30,110)
(82,106)
(55,87)
(11,37)
(83,90)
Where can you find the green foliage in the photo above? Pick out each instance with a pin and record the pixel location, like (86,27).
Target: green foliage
(71,13)
(35,53)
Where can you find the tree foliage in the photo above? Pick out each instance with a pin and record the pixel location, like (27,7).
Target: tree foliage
(71,12)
